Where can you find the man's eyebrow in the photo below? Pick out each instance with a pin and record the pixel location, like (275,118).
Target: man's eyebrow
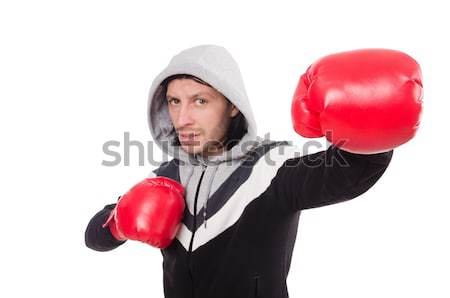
(193,95)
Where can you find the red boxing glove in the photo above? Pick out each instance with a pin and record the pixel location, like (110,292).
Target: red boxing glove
(365,101)
(149,212)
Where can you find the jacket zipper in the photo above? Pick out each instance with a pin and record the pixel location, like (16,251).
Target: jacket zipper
(195,226)
(256,286)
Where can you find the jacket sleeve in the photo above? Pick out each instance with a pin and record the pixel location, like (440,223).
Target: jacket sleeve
(98,238)
(327,177)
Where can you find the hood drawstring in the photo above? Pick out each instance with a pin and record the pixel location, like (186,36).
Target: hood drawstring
(189,174)
(205,204)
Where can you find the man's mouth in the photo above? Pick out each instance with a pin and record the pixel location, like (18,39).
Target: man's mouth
(188,137)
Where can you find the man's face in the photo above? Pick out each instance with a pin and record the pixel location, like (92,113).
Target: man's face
(200,114)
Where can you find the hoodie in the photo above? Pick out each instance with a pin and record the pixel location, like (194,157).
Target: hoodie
(214,65)
(239,226)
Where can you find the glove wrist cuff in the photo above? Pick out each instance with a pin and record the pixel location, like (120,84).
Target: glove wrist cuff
(112,225)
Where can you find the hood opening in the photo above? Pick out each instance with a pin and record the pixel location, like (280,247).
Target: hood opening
(238,125)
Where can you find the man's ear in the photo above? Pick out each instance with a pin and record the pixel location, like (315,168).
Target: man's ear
(234,111)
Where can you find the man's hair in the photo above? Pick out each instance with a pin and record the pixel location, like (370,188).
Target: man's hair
(238,125)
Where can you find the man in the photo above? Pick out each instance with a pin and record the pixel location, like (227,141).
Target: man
(243,194)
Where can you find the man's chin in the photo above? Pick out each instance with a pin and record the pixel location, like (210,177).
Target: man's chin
(192,149)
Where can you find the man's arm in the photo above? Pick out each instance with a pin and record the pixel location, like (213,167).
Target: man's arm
(327,177)
(366,103)
(98,238)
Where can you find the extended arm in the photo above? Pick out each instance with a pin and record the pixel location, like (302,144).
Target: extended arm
(327,177)
(366,102)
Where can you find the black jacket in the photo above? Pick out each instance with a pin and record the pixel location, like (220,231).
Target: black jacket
(252,256)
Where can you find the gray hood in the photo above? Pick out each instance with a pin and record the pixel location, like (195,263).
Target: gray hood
(214,65)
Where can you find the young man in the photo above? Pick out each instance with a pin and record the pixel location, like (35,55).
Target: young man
(243,194)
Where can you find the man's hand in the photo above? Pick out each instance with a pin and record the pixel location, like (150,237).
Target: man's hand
(364,101)
(149,212)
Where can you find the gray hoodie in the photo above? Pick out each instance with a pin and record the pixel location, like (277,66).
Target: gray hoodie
(214,65)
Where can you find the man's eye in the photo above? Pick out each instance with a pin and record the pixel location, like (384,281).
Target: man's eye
(173,101)
(201,101)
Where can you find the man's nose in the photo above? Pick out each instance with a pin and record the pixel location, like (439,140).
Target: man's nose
(185,117)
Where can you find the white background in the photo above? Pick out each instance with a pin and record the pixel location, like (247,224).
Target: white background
(75,74)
